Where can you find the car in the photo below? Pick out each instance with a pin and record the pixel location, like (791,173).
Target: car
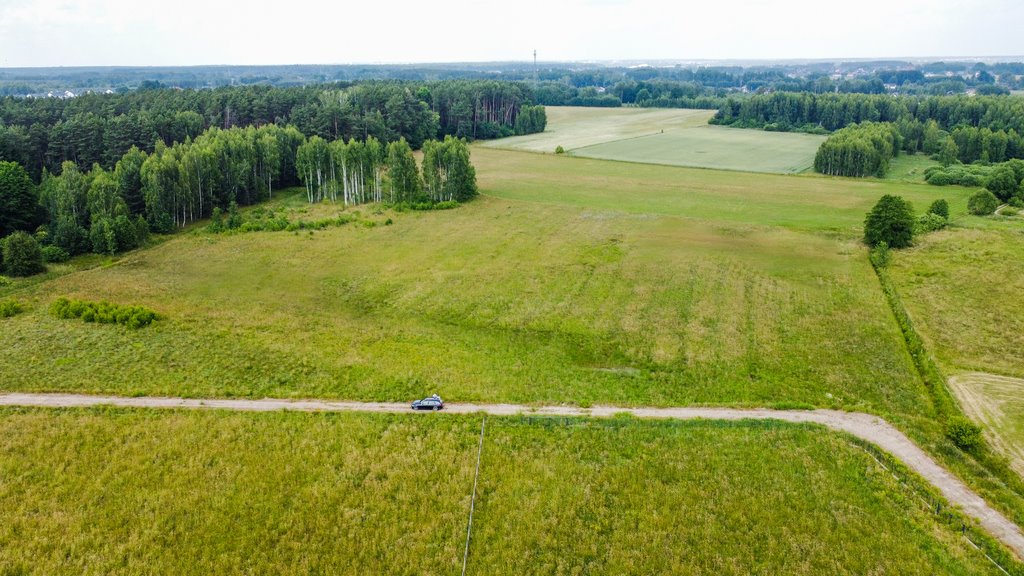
(432,402)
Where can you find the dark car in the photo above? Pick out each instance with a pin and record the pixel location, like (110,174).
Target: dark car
(429,403)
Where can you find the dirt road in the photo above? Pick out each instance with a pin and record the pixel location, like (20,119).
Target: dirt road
(864,426)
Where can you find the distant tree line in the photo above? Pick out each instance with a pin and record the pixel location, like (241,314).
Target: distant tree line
(42,133)
(828,112)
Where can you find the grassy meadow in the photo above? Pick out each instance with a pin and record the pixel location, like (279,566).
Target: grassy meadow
(498,301)
(124,492)
(831,206)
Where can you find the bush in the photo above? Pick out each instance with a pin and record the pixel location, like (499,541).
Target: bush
(929,222)
(134,317)
(22,255)
(964,433)
(940,207)
(9,308)
(880,255)
(890,221)
(55,254)
(559,150)
(5,281)
(982,203)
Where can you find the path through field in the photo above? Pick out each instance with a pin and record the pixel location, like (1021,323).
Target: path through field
(864,426)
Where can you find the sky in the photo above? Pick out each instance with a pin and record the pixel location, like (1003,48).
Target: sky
(200,32)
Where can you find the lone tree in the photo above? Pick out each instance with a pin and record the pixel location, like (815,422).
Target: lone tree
(22,256)
(890,221)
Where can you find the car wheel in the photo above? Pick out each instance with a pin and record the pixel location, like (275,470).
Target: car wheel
(436,408)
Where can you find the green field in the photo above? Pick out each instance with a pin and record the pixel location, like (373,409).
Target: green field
(146,492)
(670,137)
(715,147)
(574,127)
(627,308)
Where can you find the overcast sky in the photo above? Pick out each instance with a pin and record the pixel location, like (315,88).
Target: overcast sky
(187,32)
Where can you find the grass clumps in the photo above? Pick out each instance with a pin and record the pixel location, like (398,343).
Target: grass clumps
(134,317)
(10,308)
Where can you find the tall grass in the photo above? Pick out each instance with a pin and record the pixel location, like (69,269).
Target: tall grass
(116,492)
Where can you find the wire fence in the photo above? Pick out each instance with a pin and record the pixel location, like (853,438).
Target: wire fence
(943,512)
(472,501)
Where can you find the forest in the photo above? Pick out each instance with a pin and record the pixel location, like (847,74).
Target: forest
(42,133)
(99,173)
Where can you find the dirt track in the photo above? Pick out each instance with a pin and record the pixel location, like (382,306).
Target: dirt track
(864,426)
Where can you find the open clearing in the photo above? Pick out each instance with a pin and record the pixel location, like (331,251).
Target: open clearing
(997,402)
(111,491)
(672,137)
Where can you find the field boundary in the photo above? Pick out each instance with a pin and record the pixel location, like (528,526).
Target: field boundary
(866,427)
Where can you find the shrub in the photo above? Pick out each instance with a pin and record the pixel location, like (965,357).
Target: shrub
(890,221)
(216,224)
(964,433)
(22,255)
(982,203)
(134,317)
(929,222)
(54,254)
(9,308)
(234,216)
(880,255)
(940,207)
(559,150)
(5,281)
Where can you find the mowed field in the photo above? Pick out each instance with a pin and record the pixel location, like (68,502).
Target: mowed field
(576,127)
(144,492)
(997,402)
(671,137)
(963,287)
